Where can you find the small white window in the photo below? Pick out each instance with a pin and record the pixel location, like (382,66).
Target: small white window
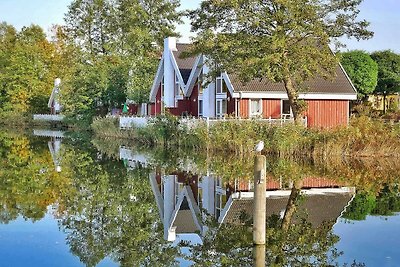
(221,107)
(220,86)
(255,107)
(200,107)
(178,90)
(200,84)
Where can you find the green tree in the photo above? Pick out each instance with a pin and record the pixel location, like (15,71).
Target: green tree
(29,76)
(284,41)
(81,92)
(129,30)
(362,70)
(388,73)
(8,36)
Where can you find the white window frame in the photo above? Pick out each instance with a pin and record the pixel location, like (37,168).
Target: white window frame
(290,115)
(178,90)
(220,82)
(219,112)
(200,104)
(200,85)
(260,112)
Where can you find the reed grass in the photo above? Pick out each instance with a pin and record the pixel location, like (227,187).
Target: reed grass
(363,137)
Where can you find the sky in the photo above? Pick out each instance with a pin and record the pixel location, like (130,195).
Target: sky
(383,15)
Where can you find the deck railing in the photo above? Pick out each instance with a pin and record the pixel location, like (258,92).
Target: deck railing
(276,121)
(126,122)
(47,117)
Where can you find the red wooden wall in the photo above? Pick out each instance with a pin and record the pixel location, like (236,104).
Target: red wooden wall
(327,113)
(194,104)
(244,108)
(271,108)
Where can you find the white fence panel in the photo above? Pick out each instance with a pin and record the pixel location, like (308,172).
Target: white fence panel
(128,122)
(47,117)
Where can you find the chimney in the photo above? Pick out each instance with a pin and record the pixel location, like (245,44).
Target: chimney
(170,43)
(169,73)
(57,82)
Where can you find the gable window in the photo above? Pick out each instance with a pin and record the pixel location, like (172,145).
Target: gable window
(220,86)
(178,90)
(200,84)
(200,107)
(286,110)
(255,107)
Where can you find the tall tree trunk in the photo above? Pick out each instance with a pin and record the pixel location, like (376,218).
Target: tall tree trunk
(289,211)
(291,205)
(293,99)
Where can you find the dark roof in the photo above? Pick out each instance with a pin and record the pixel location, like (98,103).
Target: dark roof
(319,208)
(185,65)
(184,221)
(339,85)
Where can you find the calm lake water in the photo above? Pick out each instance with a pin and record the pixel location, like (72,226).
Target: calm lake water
(68,200)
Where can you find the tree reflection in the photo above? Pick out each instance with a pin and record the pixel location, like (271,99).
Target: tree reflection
(112,213)
(294,239)
(28,184)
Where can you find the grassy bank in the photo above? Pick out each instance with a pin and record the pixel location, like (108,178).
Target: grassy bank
(364,137)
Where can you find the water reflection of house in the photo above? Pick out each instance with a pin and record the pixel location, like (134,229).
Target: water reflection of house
(184,199)
(54,145)
(181,197)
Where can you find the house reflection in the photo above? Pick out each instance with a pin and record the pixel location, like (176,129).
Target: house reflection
(185,200)
(54,145)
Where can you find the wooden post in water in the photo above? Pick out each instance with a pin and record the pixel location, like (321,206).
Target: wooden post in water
(259,208)
(259,255)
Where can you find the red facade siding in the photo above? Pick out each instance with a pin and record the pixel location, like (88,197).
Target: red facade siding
(155,108)
(271,108)
(133,109)
(318,182)
(182,107)
(244,108)
(194,102)
(230,105)
(327,113)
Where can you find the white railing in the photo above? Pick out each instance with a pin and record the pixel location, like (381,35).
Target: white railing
(280,121)
(48,133)
(47,117)
(129,122)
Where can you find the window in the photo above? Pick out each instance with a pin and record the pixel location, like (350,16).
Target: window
(200,84)
(178,90)
(255,107)
(200,107)
(221,86)
(286,110)
(221,107)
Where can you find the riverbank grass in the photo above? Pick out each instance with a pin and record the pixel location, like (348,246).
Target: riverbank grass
(363,137)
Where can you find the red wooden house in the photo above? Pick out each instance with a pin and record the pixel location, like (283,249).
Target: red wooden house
(178,88)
